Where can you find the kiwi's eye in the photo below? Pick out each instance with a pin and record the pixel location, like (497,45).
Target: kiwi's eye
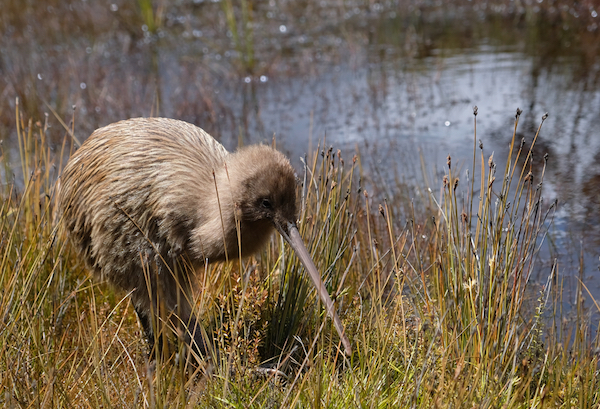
(266,204)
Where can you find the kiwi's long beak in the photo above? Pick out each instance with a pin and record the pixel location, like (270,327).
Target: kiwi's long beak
(290,233)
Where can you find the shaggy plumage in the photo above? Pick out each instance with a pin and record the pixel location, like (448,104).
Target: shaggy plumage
(145,199)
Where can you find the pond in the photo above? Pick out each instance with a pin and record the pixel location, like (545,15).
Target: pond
(397,80)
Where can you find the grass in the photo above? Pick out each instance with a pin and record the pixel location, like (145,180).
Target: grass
(241,32)
(438,302)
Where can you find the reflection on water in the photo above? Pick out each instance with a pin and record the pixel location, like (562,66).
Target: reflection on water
(394,79)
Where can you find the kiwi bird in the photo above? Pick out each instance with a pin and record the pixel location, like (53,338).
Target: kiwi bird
(145,199)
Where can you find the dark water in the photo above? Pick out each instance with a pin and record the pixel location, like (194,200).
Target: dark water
(395,79)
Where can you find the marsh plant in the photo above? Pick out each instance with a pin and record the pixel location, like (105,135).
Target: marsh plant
(438,301)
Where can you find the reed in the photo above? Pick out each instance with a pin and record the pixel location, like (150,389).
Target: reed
(239,23)
(438,301)
(152,16)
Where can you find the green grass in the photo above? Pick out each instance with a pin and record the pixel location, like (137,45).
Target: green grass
(437,302)
(242,33)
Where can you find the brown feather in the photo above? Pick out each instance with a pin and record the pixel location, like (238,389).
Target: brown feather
(155,194)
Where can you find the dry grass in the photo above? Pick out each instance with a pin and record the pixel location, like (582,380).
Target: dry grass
(440,310)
